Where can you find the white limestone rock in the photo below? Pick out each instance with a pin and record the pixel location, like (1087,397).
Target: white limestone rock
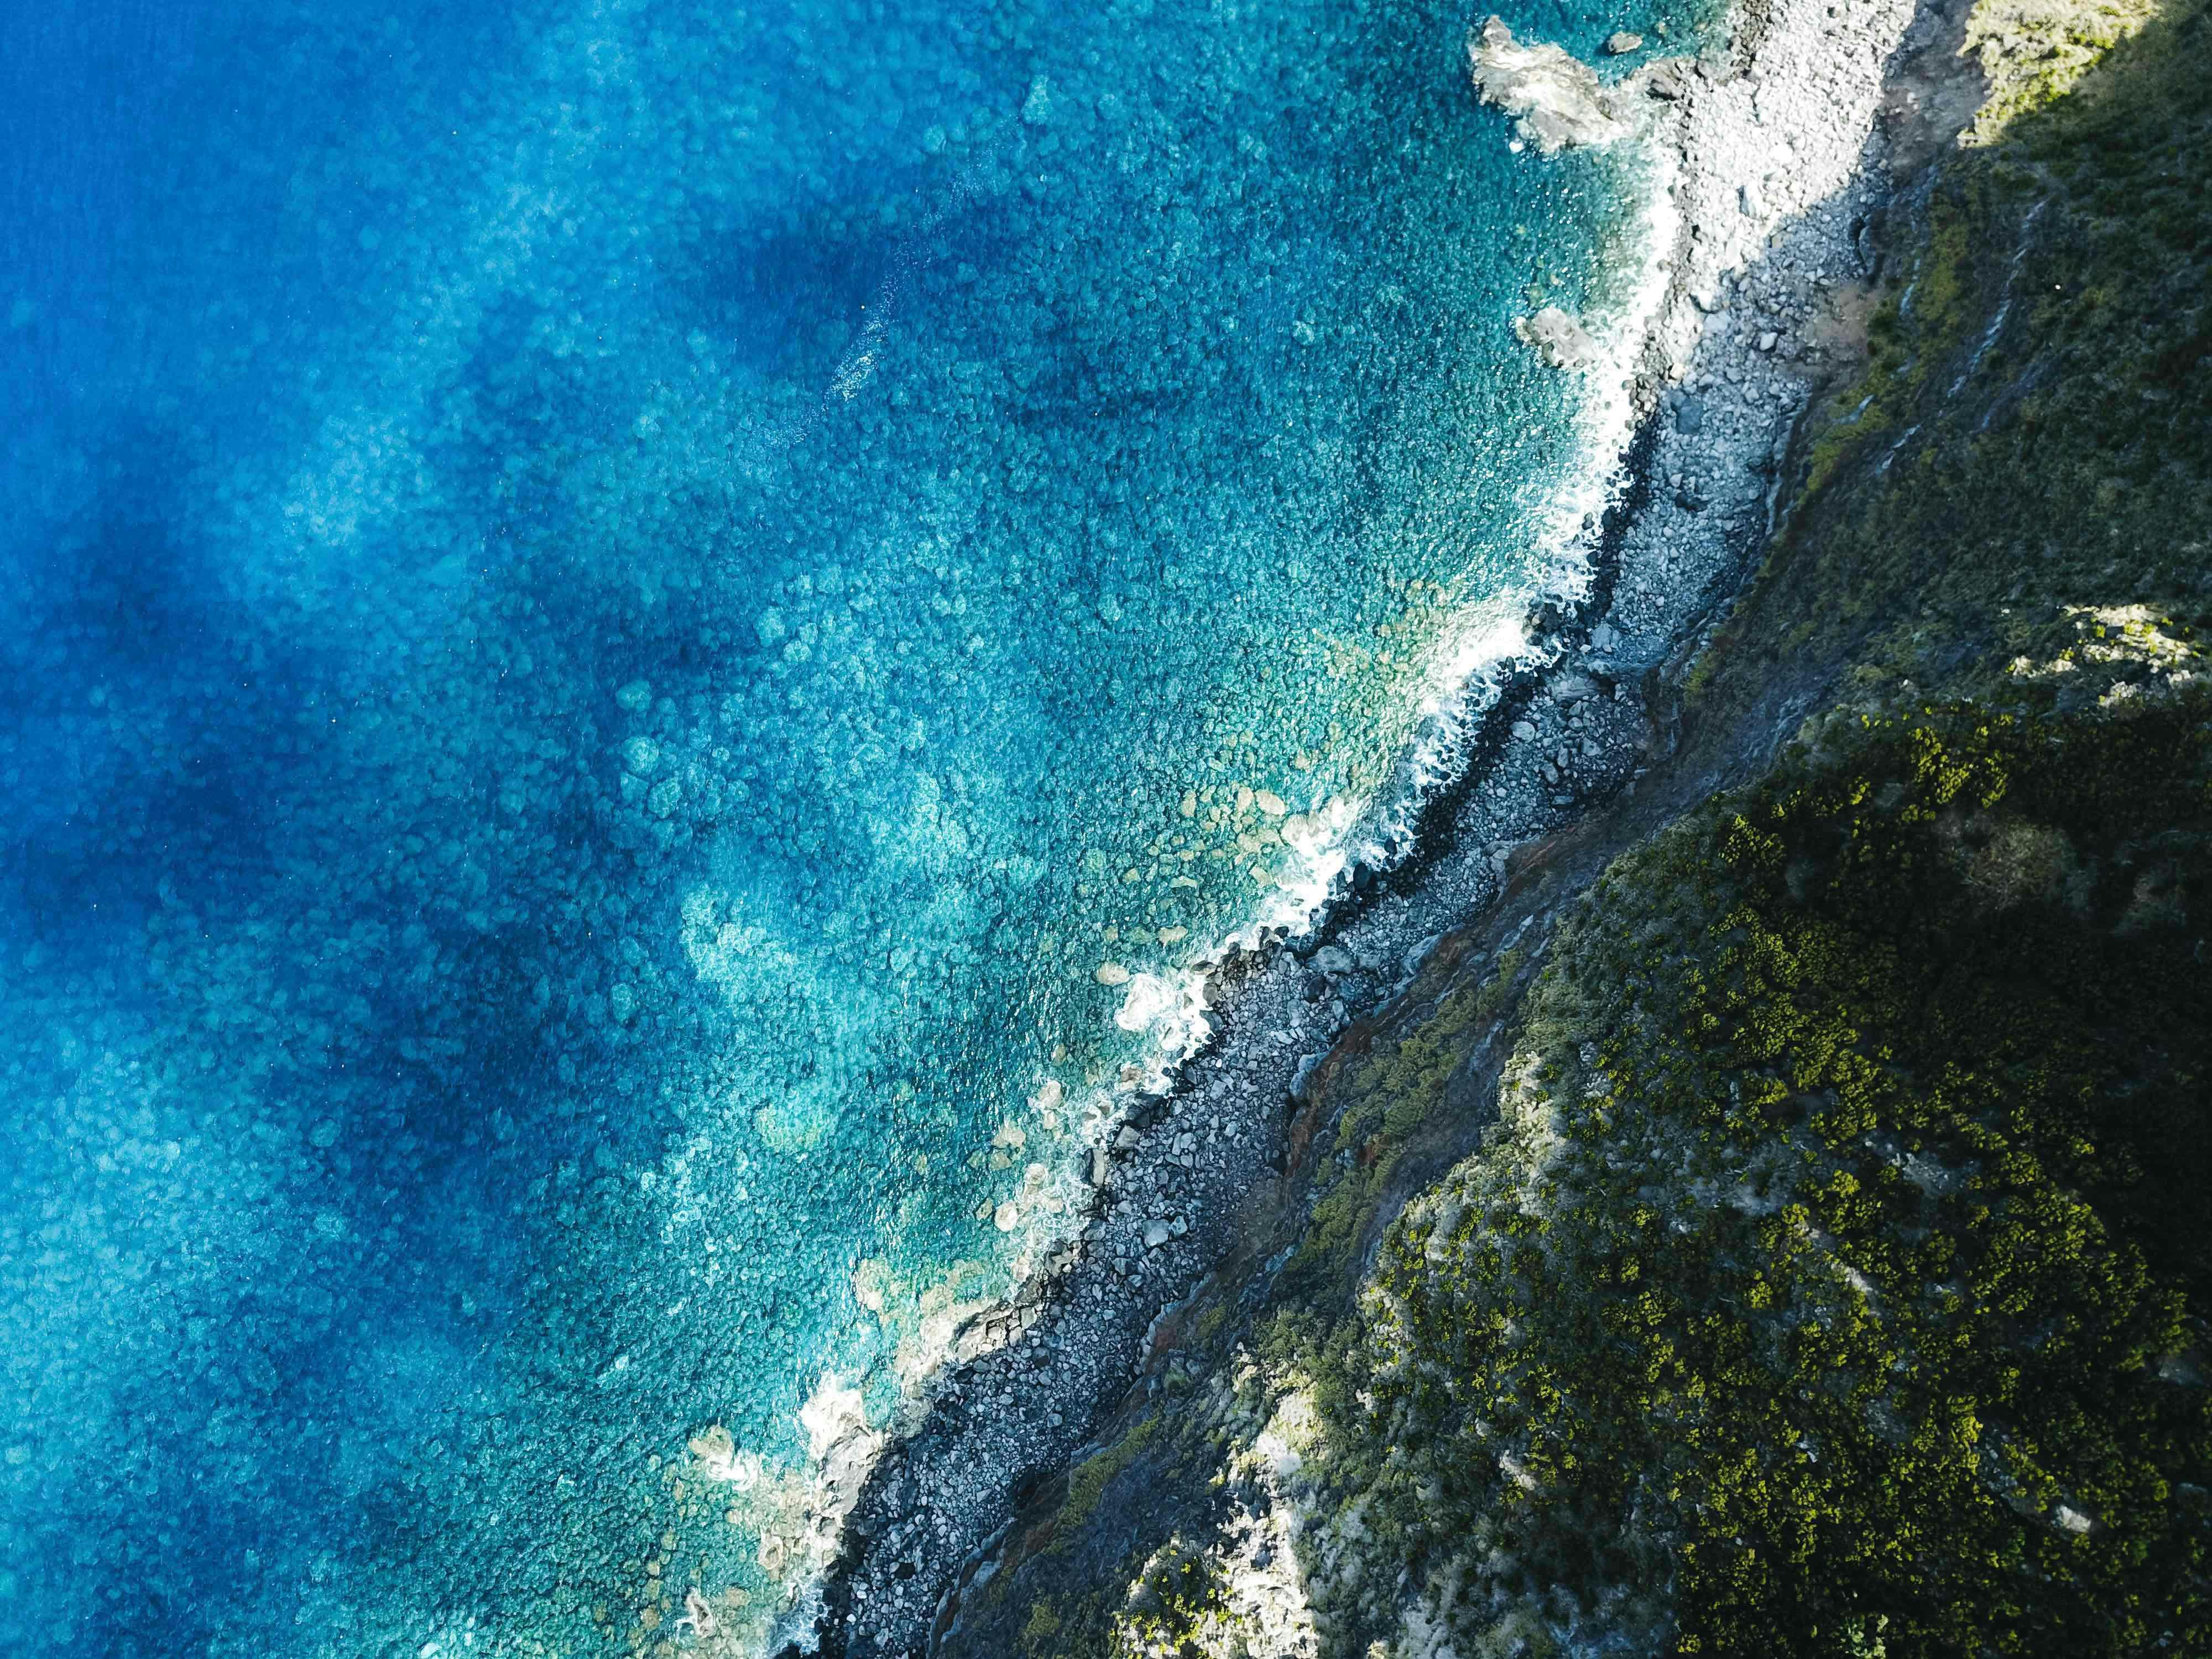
(1559,338)
(1556,98)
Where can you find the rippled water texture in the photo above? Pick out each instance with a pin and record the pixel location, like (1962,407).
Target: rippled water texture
(612,616)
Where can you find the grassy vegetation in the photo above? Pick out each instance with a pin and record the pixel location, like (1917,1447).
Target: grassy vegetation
(1821,1277)
(1909,337)
(1178,1611)
(1834,1282)
(2033,55)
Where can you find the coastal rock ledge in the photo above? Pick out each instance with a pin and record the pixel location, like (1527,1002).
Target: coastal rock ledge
(1557,98)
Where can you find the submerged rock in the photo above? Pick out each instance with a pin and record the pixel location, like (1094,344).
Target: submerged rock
(1621,43)
(1559,340)
(1556,97)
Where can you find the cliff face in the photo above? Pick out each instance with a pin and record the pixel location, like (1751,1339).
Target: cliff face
(1829,1279)
(1772,1227)
(2023,459)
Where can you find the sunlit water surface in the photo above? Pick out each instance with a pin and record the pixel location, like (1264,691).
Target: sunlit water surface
(611,614)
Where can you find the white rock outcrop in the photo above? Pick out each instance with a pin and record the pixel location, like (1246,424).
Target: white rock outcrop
(1557,98)
(1559,338)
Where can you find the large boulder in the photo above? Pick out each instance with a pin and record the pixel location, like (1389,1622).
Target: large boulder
(1559,340)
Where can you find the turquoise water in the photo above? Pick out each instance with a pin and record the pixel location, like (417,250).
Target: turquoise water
(640,637)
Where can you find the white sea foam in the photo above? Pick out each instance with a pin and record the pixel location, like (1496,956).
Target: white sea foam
(1481,649)
(365,490)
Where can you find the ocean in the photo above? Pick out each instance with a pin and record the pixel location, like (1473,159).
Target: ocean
(641,644)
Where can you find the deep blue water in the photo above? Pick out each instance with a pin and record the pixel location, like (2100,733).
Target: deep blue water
(608,613)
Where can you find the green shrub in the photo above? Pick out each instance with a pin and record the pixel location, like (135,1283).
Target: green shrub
(1823,1272)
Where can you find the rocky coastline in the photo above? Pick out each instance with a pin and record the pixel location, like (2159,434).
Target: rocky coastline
(1778,155)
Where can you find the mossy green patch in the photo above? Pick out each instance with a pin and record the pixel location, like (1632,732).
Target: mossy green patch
(1042,1626)
(1831,1274)
(1178,1611)
(2034,55)
(1088,1482)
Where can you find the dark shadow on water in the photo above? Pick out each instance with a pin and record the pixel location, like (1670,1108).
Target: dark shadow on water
(787,298)
(140,704)
(169,763)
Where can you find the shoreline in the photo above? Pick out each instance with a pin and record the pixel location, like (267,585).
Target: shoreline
(1715,403)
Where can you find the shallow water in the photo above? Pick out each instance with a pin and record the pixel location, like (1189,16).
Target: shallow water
(628,628)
